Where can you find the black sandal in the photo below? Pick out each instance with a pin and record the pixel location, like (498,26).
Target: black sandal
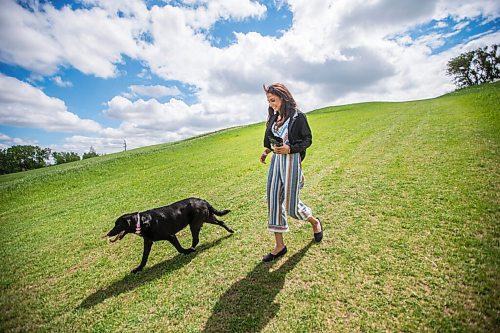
(270,257)
(318,236)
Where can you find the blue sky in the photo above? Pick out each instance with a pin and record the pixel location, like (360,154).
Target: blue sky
(75,74)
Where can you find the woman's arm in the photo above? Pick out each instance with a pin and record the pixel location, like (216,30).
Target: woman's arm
(304,138)
(267,146)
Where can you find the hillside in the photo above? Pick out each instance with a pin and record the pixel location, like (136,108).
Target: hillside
(408,194)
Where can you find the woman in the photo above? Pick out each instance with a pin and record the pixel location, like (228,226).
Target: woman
(288,136)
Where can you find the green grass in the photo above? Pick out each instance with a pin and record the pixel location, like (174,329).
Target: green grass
(408,194)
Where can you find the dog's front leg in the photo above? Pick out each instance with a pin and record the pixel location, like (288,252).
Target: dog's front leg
(175,242)
(145,254)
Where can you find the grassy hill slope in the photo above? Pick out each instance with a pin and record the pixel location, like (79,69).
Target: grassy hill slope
(408,194)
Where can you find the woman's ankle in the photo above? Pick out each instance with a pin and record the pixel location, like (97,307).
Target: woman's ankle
(314,221)
(278,248)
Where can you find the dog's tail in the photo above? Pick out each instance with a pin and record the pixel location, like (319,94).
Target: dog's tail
(217,212)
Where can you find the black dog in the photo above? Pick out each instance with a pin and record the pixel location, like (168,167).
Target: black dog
(164,222)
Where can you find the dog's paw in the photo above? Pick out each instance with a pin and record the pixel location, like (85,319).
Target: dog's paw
(190,250)
(136,270)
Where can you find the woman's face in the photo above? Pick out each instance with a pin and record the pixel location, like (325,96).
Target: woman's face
(274,101)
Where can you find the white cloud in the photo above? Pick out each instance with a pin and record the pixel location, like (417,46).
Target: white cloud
(206,13)
(459,9)
(432,41)
(23,105)
(144,74)
(149,122)
(143,116)
(94,39)
(461,25)
(81,144)
(279,4)
(7,141)
(154,91)
(44,39)
(486,33)
(24,39)
(34,78)
(114,143)
(61,83)
(441,24)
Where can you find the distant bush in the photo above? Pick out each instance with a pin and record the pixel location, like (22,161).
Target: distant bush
(90,154)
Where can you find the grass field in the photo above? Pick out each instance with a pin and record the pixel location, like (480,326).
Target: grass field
(408,194)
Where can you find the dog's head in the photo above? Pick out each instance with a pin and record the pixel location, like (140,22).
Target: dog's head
(123,225)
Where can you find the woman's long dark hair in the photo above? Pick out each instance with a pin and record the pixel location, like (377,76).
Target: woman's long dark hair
(288,105)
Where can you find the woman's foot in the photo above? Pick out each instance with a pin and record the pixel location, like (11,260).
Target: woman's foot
(318,230)
(317,227)
(274,254)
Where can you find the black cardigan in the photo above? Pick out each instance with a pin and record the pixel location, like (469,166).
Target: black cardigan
(299,133)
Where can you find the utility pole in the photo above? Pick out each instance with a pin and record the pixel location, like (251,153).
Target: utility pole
(125,145)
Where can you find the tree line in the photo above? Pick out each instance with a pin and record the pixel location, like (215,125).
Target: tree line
(26,157)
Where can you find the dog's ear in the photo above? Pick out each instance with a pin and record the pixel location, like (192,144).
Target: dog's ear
(128,222)
(124,221)
(146,220)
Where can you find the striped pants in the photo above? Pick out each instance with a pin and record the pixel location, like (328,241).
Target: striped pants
(284,181)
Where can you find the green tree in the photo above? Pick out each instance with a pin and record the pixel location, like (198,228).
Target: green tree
(90,154)
(22,158)
(65,157)
(475,67)
(3,162)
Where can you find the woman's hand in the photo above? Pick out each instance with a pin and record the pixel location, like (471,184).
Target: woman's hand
(264,155)
(285,149)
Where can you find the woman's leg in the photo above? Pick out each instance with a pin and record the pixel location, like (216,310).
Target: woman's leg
(280,243)
(294,182)
(277,221)
(315,224)
(276,211)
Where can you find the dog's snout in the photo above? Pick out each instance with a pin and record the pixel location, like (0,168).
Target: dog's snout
(115,237)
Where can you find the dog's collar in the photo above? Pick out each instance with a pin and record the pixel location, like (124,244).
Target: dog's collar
(138,225)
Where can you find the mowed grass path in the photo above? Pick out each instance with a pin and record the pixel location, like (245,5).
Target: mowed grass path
(408,194)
